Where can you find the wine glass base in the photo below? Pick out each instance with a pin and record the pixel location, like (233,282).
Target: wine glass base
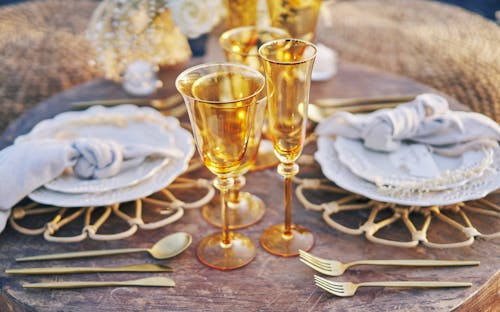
(249,211)
(274,241)
(212,253)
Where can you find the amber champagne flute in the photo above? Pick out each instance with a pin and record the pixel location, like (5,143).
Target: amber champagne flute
(244,209)
(221,102)
(298,17)
(288,65)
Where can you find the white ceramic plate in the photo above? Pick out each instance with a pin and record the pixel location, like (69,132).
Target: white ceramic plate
(68,183)
(412,164)
(340,174)
(124,123)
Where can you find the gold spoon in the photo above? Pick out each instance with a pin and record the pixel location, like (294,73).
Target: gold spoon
(145,267)
(168,247)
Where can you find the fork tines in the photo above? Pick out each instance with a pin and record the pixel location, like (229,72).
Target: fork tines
(329,286)
(316,263)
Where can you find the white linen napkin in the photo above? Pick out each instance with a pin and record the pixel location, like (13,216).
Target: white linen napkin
(28,165)
(427,120)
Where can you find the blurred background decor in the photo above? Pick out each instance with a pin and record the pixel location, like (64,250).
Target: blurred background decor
(123,33)
(43,50)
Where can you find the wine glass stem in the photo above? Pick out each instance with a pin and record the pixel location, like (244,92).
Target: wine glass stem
(288,171)
(225,219)
(223,185)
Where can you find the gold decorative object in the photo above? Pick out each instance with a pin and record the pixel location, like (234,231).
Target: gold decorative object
(172,209)
(122,32)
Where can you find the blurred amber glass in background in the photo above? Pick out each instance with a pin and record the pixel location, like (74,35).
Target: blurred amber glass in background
(298,17)
(241,45)
(241,13)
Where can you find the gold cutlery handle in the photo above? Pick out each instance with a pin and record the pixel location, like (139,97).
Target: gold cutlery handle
(68,270)
(418,284)
(81,254)
(416,262)
(156,281)
(334,102)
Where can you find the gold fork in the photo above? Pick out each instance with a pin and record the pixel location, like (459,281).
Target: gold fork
(337,268)
(347,289)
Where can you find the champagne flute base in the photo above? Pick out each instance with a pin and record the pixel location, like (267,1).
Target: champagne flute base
(214,254)
(247,212)
(274,241)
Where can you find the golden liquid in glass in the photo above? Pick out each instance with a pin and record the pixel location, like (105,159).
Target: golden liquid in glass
(220,121)
(254,138)
(298,17)
(288,67)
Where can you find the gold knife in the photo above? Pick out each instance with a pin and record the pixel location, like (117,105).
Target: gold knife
(156,281)
(147,267)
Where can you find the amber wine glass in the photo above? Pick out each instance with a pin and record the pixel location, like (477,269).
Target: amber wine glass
(221,101)
(244,209)
(288,65)
(298,17)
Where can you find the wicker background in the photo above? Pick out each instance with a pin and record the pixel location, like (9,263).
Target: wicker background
(444,46)
(42,51)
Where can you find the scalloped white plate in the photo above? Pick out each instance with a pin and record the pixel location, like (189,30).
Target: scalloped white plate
(124,123)
(340,174)
(412,164)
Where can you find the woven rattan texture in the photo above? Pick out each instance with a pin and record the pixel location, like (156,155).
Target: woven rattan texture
(446,47)
(42,52)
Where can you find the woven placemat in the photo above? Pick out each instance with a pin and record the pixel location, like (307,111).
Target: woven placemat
(42,52)
(446,47)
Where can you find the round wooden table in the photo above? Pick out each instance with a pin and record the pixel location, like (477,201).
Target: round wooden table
(269,283)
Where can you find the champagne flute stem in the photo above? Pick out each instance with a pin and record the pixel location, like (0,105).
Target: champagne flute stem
(288,206)
(288,171)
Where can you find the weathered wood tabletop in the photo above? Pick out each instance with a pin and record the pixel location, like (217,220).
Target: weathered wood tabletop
(269,283)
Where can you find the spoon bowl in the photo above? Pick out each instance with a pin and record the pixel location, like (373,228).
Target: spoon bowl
(171,245)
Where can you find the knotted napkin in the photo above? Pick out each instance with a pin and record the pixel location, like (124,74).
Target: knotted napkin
(427,120)
(28,165)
